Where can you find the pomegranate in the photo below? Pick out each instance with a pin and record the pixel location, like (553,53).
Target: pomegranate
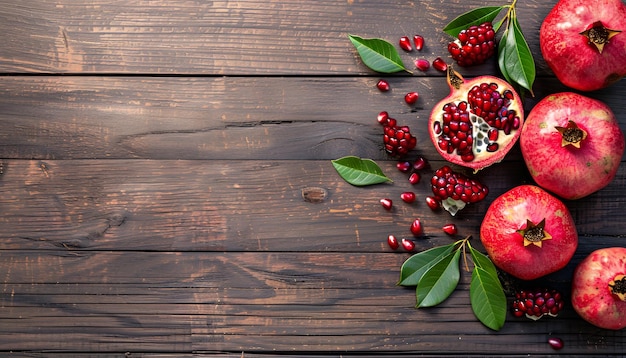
(528,233)
(478,122)
(584,42)
(572,144)
(599,288)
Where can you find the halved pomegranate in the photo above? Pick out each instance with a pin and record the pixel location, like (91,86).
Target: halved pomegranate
(478,122)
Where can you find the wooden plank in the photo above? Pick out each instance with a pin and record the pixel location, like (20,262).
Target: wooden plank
(220,118)
(222,37)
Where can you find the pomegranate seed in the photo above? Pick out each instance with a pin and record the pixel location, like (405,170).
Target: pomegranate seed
(556,343)
(422,64)
(433,203)
(450,229)
(383,85)
(420,163)
(386,203)
(405,43)
(440,65)
(416,227)
(408,197)
(393,242)
(408,245)
(411,97)
(403,166)
(414,178)
(383,117)
(419,42)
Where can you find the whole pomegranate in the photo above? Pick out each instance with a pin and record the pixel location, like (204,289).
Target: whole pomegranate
(599,288)
(478,122)
(572,144)
(584,42)
(528,233)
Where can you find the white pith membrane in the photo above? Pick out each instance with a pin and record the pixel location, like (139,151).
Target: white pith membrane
(452,206)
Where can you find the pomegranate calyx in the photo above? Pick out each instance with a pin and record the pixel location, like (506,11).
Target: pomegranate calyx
(571,134)
(598,35)
(618,287)
(534,234)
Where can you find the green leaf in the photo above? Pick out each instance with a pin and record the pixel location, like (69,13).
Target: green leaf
(414,267)
(439,281)
(518,60)
(359,172)
(481,260)
(473,17)
(487,299)
(377,54)
(502,56)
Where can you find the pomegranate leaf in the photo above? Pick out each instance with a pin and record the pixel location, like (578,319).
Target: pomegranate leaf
(487,298)
(359,172)
(415,266)
(501,57)
(378,54)
(518,60)
(476,16)
(439,281)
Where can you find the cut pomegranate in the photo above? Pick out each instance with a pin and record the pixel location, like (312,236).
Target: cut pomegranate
(408,197)
(414,178)
(416,228)
(474,45)
(411,97)
(422,64)
(454,190)
(393,242)
(408,245)
(537,303)
(383,85)
(386,203)
(478,122)
(440,65)
(405,44)
(419,42)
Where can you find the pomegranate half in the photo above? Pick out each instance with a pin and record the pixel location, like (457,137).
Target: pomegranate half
(478,122)
(572,144)
(584,42)
(528,233)
(599,288)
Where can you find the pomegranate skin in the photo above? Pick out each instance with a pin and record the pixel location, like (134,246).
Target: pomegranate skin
(591,296)
(509,213)
(570,172)
(575,62)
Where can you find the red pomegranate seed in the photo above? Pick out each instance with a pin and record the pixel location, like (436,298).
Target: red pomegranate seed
(393,242)
(556,343)
(419,42)
(386,203)
(411,97)
(383,85)
(408,245)
(450,229)
(433,203)
(422,64)
(403,166)
(408,197)
(420,163)
(440,65)
(405,43)
(416,227)
(383,117)
(414,178)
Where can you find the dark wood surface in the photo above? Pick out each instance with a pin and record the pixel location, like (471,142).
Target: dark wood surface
(154,158)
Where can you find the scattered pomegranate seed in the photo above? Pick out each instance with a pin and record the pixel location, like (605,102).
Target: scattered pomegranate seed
(408,245)
(386,203)
(433,203)
(383,117)
(419,42)
(450,229)
(403,166)
(405,43)
(440,65)
(414,178)
(411,97)
(420,163)
(556,343)
(393,242)
(422,64)
(383,85)
(416,227)
(408,197)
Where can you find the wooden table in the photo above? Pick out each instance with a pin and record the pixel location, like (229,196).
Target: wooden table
(155,155)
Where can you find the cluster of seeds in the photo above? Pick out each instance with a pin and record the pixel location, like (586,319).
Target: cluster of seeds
(487,102)
(474,45)
(537,303)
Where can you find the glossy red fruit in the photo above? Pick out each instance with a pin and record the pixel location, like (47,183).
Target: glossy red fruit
(418,40)
(403,166)
(398,141)
(383,86)
(599,288)
(422,64)
(581,42)
(450,229)
(440,65)
(454,190)
(411,97)
(433,203)
(528,233)
(416,228)
(478,123)
(414,178)
(408,196)
(556,343)
(408,245)
(474,45)
(383,117)
(405,43)
(420,163)
(393,242)
(386,203)
(572,144)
